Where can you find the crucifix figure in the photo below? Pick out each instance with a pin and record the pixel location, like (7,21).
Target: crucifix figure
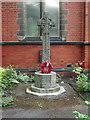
(45,24)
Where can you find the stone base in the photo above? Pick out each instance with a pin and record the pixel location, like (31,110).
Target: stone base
(45,84)
(46,81)
(44,92)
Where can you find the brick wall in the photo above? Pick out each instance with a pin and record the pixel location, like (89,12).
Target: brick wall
(66,54)
(86,22)
(26,56)
(87,35)
(9,17)
(75,19)
(0,36)
(87,57)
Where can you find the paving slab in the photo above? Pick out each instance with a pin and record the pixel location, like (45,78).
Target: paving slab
(31,106)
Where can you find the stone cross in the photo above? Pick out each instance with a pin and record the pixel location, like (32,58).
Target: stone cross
(45,84)
(45,24)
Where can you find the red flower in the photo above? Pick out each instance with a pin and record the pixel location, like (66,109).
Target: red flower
(46,67)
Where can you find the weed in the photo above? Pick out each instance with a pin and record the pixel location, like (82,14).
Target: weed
(40,105)
(80,116)
(5,101)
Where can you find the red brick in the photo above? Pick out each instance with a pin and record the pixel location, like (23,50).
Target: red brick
(26,56)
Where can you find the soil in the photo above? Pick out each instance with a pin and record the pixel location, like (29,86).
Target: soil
(24,100)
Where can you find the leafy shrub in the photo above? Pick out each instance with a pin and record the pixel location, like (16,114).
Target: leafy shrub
(58,78)
(5,101)
(82,83)
(24,78)
(32,79)
(7,78)
(82,78)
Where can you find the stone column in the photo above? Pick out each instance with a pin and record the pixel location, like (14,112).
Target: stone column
(45,24)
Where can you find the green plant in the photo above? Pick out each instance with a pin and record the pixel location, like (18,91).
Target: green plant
(88,99)
(7,79)
(58,78)
(77,68)
(24,78)
(39,104)
(82,83)
(87,102)
(32,78)
(80,116)
(5,101)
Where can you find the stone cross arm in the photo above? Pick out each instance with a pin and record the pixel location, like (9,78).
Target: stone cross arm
(44,22)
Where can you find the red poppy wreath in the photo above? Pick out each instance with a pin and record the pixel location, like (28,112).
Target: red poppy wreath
(46,67)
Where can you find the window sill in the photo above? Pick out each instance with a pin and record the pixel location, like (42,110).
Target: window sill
(38,39)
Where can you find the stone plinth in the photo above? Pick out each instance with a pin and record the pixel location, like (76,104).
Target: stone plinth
(45,80)
(45,92)
(45,84)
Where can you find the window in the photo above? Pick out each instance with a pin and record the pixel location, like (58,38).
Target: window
(30,13)
(32,16)
(34,11)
